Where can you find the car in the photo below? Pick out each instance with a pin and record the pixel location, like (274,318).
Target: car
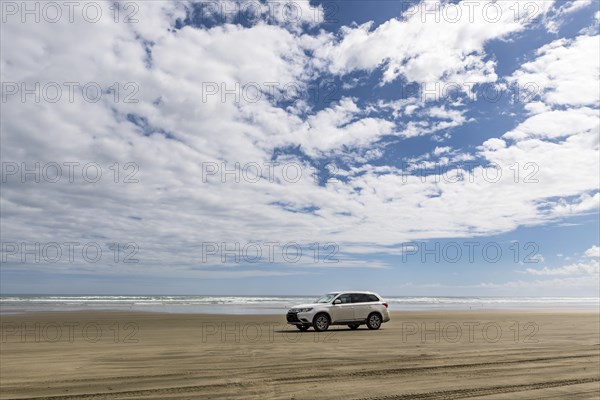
(352,308)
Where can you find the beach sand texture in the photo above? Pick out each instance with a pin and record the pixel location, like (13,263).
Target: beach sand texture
(418,355)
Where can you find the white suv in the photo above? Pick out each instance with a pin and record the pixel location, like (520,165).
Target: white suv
(340,308)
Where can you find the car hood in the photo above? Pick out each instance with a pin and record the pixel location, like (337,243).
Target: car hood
(308,305)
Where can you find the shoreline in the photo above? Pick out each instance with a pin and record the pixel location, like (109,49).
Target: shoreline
(282,311)
(241,305)
(267,310)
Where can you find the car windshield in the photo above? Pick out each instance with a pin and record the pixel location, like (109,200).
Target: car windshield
(326,298)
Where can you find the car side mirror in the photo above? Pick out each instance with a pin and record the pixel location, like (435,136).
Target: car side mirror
(337,301)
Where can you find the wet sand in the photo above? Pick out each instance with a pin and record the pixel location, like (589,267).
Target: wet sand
(417,355)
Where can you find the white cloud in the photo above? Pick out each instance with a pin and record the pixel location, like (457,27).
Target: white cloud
(556,124)
(565,72)
(494,144)
(556,18)
(585,273)
(441,150)
(592,269)
(593,252)
(292,15)
(582,285)
(433,42)
(536,107)
(560,137)
(583,204)
(339,126)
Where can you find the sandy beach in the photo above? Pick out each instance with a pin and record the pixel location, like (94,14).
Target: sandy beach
(418,355)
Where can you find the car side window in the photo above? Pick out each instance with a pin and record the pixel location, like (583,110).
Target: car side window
(358,298)
(372,297)
(345,299)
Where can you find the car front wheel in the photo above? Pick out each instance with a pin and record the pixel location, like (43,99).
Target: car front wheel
(374,321)
(321,322)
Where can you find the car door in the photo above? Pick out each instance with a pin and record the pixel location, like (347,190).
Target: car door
(362,308)
(343,311)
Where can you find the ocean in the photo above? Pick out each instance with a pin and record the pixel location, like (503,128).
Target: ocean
(10,304)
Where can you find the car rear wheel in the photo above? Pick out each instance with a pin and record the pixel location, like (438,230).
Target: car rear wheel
(321,322)
(353,326)
(302,327)
(374,321)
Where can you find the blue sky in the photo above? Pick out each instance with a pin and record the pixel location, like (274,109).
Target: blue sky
(425,148)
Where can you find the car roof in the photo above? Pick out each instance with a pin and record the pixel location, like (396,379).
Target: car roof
(354,291)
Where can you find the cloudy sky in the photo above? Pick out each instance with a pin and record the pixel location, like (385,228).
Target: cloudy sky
(433,148)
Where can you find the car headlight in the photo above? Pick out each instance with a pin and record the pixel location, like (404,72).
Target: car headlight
(303,309)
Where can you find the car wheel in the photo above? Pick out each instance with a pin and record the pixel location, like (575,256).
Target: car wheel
(321,322)
(353,326)
(302,327)
(374,321)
